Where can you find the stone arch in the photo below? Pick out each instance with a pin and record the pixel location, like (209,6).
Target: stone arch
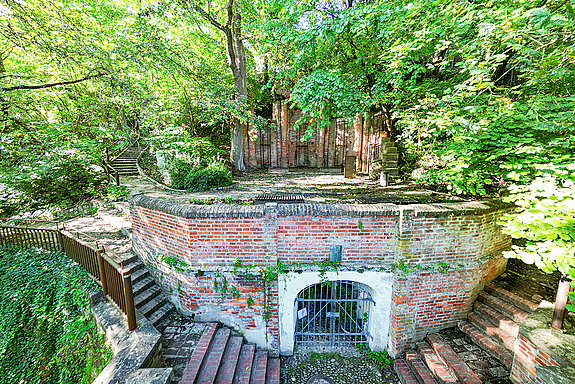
(378,284)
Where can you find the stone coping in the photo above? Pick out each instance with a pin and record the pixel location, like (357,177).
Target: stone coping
(320,209)
(133,351)
(560,346)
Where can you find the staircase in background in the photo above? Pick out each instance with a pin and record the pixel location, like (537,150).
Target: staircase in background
(493,325)
(387,162)
(223,358)
(125,163)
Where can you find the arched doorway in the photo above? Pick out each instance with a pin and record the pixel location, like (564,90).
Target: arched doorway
(333,313)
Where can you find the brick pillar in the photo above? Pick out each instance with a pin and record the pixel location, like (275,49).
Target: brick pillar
(357,139)
(270,235)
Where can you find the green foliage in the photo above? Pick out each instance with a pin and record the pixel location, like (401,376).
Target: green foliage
(380,359)
(46,331)
(57,179)
(203,179)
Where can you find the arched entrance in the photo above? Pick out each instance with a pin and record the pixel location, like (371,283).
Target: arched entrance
(333,313)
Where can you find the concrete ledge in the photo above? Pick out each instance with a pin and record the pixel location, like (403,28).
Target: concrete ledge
(308,209)
(134,352)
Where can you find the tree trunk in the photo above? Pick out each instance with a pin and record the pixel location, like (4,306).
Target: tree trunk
(237,62)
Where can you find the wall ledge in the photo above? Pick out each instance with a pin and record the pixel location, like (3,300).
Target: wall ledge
(134,352)
(309,209)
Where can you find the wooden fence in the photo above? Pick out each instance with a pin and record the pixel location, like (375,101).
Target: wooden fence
(115,280)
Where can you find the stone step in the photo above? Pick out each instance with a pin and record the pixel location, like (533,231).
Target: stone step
(487,343)
(504,307)
(139,274)
(213,358)
(518,301)
(259,368)
(134,266)
(245,362)
(153,305)
(496,318)
(230,360)
(273,374)
(388,150)
(448,355)
(435,364)
(418,367)
(144,297)
(161,314)
(495,332)
(404,372)
(142,285)
(194,365)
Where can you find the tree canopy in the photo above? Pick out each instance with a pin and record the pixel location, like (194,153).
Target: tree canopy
(478,94)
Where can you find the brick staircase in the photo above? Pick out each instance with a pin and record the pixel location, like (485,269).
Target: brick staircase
(493,325)
(494,322)
(223,358)
(125,163)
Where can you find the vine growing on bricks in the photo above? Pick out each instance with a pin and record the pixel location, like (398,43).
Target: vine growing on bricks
(264,277)
(47,334)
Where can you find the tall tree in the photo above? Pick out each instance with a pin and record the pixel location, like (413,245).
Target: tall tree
(232,30)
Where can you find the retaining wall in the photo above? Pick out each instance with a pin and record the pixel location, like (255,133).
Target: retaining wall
(189,248)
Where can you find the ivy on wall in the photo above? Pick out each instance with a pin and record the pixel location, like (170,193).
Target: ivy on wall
(47,334)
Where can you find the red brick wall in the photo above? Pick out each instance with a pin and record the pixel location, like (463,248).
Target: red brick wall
(527,358)
(364,239)
(210,238)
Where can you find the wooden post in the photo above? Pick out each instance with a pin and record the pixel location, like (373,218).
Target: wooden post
(560,301)
(117,178)
(103,278)
(129,299)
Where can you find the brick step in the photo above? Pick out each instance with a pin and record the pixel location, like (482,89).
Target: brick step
(144,297)
(230,360)
(153,305)
(487,343)
(496,318)
(504,307)
(404,372)
(524,304)
(435,364)
(259,368)
(161,314)
(213,358)
(244,370)
(273,374)
(419,369)
(448,355)
(495,332)
(194,365)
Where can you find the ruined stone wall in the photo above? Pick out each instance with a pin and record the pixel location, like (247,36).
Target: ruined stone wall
(440,256)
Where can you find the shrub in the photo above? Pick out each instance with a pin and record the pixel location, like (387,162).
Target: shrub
(57,179)
(203,179)
(47,334)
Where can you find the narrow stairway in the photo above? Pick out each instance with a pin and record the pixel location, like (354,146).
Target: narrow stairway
(148,296)
(493,325)
(387,162)
(125,163)
(223,358)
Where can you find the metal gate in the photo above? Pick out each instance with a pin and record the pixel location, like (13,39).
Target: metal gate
(333,313)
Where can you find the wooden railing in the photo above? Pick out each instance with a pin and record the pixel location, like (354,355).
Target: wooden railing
(110,274)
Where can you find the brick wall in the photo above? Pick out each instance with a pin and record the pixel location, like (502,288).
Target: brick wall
(526,360)
(209,238)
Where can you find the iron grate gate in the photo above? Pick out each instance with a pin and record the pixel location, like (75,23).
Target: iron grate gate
(333,313)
